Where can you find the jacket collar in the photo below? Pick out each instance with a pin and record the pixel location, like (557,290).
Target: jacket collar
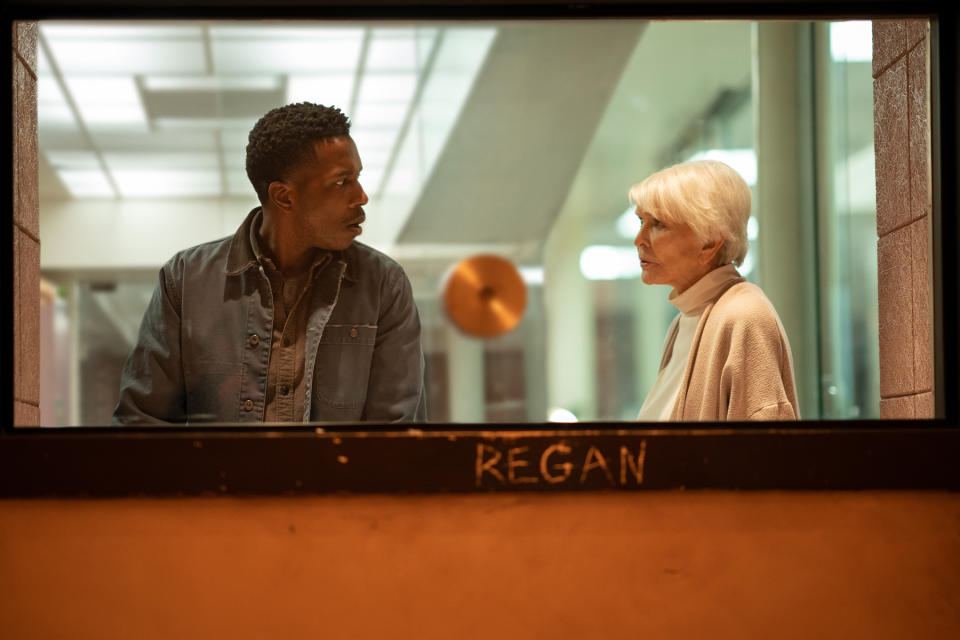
(241,257)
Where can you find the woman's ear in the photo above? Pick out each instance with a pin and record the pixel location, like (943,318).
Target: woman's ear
(281,195)
(709,251)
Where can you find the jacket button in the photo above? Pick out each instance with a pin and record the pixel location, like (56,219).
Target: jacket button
(284,389)
(354,333)
(254,340)
(248,405)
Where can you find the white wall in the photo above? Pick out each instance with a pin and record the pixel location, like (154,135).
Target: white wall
(124,234)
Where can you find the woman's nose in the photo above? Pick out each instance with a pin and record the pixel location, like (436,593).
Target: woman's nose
(640,239)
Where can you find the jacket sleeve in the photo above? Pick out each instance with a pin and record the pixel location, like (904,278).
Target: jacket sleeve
(151,384)
(395,391)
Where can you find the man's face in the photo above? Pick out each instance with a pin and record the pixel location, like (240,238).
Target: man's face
(327,197)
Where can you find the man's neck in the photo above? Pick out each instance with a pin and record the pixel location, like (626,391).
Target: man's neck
(290,259)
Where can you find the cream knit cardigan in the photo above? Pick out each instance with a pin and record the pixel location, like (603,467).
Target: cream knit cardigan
(740,366)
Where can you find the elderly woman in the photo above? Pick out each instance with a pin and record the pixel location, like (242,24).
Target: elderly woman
(726,356)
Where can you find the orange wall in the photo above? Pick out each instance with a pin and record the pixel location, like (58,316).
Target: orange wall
(603,565)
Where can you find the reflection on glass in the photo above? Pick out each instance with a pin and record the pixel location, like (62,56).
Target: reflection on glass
(476,138)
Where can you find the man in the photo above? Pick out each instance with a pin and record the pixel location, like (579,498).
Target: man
(289,320)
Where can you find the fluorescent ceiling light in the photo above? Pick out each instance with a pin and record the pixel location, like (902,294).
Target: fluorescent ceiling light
(743,161)
(155,141)
(107,101)
(122,161)
(245,33)
(851,41)
(389,53)
(56,115)
(110,55)
(224,124)
(379,88)
(89,30)
(211,83)
(52,107)
(461,47)
(86,183)
(142,184)
(103,90)
(73,159)
(604,262)
(286,56)
(329,89)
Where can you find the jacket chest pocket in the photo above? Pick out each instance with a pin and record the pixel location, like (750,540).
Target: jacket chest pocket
(342,369)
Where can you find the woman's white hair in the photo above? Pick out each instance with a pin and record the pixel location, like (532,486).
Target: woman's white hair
(707,195)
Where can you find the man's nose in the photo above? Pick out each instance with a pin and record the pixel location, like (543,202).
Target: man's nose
(363,196)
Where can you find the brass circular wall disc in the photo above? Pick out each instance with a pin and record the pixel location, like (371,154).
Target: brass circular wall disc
(485,296)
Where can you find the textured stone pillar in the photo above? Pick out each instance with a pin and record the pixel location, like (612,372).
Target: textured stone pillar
(901,102)
(26,228)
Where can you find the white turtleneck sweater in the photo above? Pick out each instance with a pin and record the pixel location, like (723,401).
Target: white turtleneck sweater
(691,303)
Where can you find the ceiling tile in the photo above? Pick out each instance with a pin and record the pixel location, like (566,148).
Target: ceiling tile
(386,88)
(329,89)
(107,101)
(148,161)
(118,56)
(285,56)
(391,53)
(86,183)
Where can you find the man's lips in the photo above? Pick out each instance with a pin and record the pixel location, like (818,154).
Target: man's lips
(356,222)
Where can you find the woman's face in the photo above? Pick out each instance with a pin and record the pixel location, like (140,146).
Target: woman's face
(671,253)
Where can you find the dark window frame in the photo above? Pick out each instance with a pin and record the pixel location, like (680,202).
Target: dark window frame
(461,458)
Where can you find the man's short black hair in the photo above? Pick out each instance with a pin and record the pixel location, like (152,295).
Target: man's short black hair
(283,139)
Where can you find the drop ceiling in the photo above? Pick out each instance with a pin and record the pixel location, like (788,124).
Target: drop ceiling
(162,110)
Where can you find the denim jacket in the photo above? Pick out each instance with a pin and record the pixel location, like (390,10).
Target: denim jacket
(204,342)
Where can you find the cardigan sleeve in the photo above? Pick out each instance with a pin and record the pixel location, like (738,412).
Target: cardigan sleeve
(756,382)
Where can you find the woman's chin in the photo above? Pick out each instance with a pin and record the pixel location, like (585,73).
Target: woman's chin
(648,278)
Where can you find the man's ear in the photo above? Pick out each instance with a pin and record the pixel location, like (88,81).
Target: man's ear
(710,249)
(281,195)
